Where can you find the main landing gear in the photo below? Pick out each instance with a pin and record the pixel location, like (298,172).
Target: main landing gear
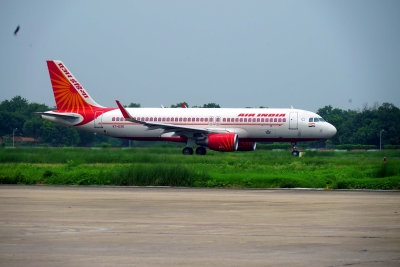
(199,151)
(295,152)
(187,151)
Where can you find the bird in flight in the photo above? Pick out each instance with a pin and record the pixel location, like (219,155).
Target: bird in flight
(16,30)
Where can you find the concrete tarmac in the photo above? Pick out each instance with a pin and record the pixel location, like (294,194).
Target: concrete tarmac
(129,226)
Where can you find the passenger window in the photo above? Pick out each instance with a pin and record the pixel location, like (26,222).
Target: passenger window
(163,119)
(206,119)
(113,118)
(241,120)
(280,120)
(284,119)
(275,120)
(245,119)
(117,119)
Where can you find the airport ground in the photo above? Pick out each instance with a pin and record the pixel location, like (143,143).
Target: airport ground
(133,226)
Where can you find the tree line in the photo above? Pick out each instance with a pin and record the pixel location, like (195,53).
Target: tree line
(366,126)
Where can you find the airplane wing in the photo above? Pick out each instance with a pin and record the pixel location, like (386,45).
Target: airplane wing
(168,128)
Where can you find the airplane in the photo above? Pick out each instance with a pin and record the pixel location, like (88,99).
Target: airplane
(219,129)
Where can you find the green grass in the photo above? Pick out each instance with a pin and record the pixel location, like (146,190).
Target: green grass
(168,167)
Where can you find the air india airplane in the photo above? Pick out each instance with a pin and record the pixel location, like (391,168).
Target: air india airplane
(220,129)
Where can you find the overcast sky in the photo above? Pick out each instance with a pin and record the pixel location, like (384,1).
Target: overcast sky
(307,54)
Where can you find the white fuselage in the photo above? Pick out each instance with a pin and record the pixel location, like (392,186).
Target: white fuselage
(262,125)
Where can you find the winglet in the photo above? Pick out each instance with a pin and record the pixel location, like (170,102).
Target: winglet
(125,113)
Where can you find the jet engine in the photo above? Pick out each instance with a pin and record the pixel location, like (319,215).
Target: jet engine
(247,146)
(220,142)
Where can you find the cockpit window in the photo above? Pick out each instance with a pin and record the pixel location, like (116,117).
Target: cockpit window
(316,120)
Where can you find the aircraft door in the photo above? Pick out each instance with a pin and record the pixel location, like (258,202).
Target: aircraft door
(217,120)
(293,123)
(98,117)
(210,121)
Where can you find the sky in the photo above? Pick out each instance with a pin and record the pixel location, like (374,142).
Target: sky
(276,54)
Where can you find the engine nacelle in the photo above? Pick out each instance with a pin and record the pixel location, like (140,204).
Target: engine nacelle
(247,146)
(220,142)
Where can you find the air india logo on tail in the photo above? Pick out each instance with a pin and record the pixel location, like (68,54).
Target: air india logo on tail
(69,94)
(72,80)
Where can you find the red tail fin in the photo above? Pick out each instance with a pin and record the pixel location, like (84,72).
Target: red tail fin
(69,94)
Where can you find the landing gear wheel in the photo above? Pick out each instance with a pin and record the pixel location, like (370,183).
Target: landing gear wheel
(295,153)
(187,151)
(201,150)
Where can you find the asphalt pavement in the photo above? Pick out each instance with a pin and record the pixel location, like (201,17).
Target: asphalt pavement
(134,226)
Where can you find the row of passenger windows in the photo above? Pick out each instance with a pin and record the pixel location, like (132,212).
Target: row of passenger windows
(254,120)
(211,119)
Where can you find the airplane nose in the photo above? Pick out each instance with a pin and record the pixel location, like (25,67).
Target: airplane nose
(332,130)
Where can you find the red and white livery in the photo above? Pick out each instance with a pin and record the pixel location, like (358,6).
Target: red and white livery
(220,129)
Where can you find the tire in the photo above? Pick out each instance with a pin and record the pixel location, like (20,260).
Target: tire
(201,150)
(295,153)
(187,151)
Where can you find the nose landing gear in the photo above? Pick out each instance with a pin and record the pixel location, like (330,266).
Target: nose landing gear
(295,152)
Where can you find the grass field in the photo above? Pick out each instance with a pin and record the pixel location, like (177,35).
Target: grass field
(168,167)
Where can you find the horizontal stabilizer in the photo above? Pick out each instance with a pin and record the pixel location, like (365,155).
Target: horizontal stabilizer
(59,115)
